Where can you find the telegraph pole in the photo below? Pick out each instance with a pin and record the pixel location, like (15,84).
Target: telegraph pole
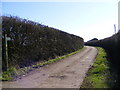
(115,28)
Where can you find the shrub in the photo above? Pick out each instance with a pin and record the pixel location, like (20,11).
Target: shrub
(31,42)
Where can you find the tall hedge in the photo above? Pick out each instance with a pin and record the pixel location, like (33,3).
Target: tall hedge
(31,42)
(112,47)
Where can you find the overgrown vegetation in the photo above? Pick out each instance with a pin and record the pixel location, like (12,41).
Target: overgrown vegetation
(13,72)
(98,75)
(112,48)
(30,42)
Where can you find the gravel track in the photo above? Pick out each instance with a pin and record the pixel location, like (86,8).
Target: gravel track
(65,73)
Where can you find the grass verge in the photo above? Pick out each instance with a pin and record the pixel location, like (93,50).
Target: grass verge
(13,72)
(97,76)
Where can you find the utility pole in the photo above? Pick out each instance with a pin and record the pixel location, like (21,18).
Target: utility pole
(115,28)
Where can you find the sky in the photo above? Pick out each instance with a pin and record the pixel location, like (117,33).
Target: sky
(85,19)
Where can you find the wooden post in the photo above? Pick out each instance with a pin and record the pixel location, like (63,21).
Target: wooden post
(6,51)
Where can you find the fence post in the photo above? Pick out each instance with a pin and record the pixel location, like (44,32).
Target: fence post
(6,51)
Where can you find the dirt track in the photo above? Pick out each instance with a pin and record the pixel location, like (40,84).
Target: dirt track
(66,73)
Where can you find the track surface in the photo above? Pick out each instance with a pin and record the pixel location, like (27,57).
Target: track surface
(66,73)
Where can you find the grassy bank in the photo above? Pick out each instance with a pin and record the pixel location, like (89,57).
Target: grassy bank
(13,72)
(97,76)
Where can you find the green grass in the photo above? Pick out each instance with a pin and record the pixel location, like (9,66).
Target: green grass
(8,75)
(99,72)
(56,59)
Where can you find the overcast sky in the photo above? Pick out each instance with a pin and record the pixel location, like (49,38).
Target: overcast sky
(86,19)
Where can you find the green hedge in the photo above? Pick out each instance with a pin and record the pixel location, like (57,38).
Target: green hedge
(31,42)
(112,48)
